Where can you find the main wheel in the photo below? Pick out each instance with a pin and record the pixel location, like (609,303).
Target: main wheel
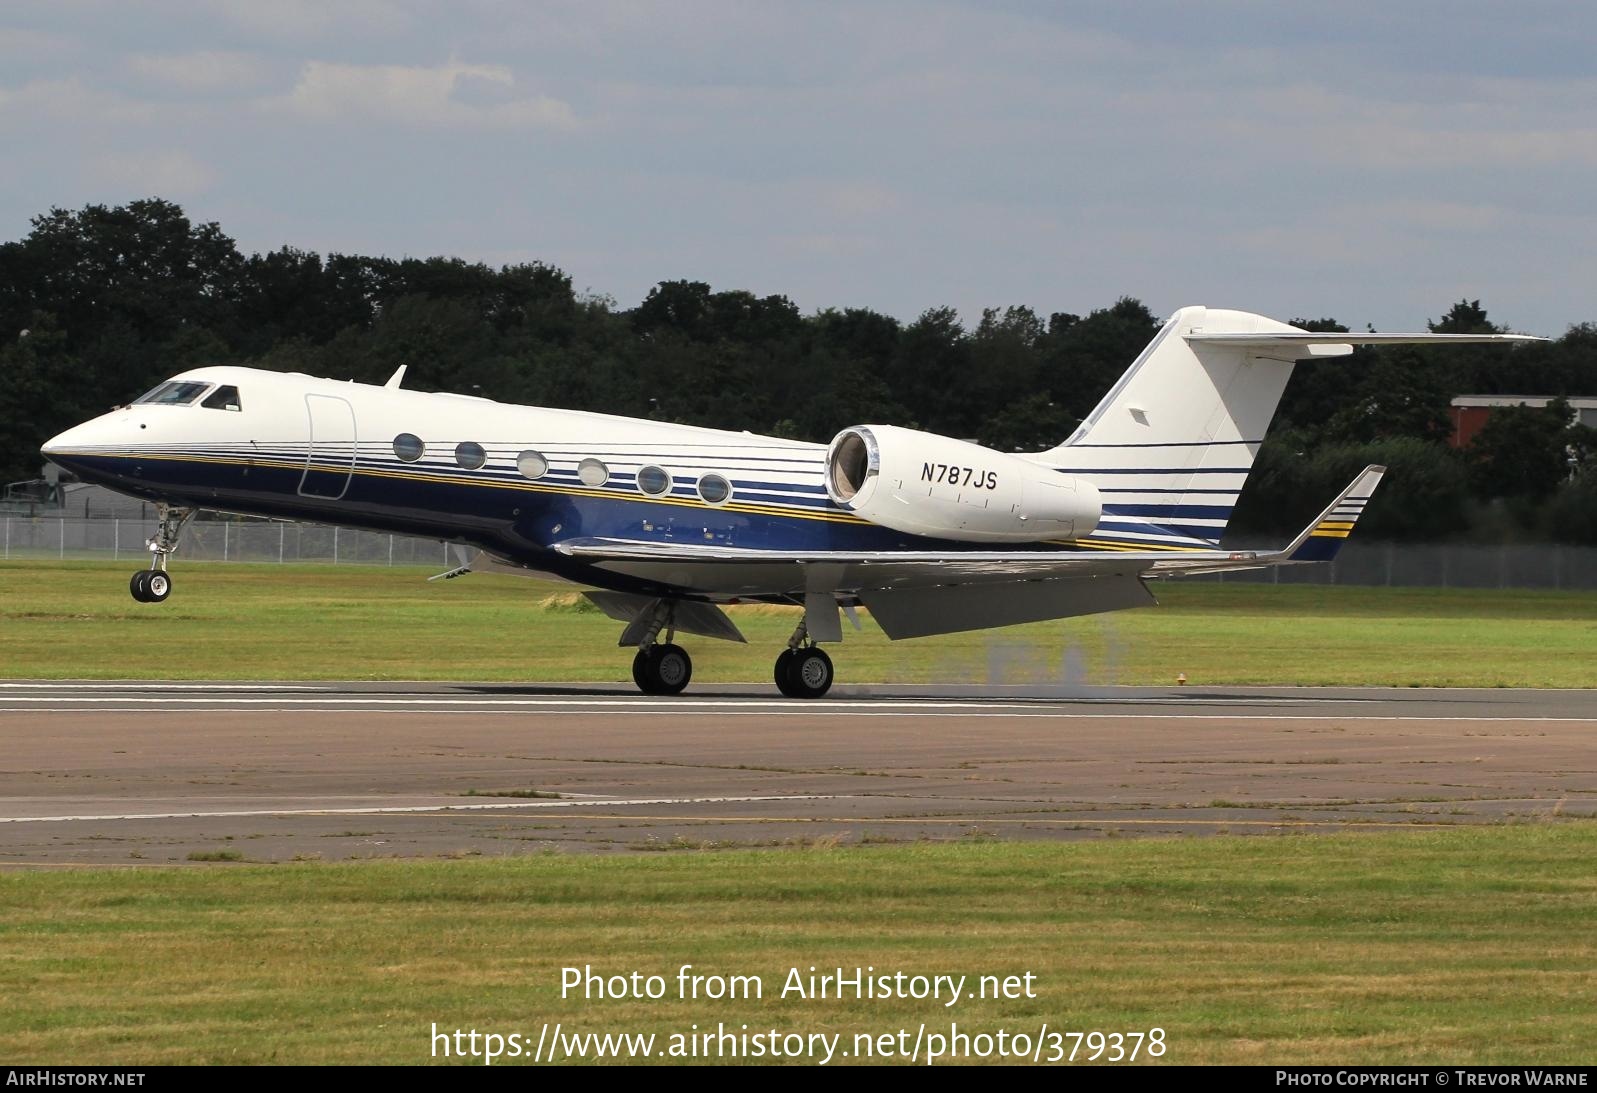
(157,585)
(662,669)
(140,586)
(784,669)
(804,673)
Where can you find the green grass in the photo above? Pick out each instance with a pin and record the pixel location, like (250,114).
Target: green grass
(215,855)
(1466,946)
(75,619)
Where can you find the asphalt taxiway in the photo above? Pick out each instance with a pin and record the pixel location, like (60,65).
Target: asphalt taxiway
(135,772)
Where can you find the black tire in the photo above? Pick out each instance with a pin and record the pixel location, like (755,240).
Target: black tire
(640,671)
(139,586)
(157,585)
(809,674)
(672,669)
(784,671)
(662,669)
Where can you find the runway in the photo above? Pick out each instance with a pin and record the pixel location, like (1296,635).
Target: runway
(146,773)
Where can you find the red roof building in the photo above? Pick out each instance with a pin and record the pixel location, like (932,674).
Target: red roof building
(1468,413)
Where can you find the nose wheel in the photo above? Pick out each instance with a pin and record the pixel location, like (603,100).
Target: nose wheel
(150,585)
(155,584)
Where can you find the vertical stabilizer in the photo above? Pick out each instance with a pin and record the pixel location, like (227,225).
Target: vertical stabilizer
(1172,442)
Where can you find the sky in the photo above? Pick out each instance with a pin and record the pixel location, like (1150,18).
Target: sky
(1371,161)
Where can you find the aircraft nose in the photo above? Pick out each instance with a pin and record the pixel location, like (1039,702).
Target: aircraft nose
(61,442)
(58,448)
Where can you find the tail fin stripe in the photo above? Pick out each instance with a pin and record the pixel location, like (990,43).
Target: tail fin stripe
(1168,444)
(1152,470)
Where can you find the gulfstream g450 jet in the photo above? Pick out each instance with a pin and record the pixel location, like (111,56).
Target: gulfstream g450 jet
(669,522)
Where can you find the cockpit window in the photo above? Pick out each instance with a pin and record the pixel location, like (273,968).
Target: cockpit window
(174,393)
(223,398)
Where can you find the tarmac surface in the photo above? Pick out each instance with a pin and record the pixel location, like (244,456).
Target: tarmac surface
(151,773)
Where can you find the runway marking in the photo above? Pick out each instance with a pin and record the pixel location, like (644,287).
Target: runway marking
(165,685)
(746,708)
(625,701)
(372,810)
(991,821)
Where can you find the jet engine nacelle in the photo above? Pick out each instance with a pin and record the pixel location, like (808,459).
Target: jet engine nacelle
(925,484)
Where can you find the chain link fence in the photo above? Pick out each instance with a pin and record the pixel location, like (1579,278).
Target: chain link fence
(1429,565)
(1385,564)
(218,541)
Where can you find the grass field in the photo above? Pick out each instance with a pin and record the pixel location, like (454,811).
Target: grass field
(75,619)
(1463,946)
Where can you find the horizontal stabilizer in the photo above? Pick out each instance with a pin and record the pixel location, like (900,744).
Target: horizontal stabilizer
(1341,344)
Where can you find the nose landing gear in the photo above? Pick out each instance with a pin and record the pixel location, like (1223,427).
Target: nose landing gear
(155,584)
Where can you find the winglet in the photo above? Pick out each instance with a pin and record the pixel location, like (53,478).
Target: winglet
(397,378)
(1321,540)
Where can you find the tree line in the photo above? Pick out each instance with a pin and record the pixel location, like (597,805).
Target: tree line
(100,304)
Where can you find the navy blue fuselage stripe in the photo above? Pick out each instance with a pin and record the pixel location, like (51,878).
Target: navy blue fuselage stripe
(1179,493)
(522,526)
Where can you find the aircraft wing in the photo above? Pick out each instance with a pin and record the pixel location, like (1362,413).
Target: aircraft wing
(914,593)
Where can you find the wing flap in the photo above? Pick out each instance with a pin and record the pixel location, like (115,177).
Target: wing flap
(921,612)
(690,616)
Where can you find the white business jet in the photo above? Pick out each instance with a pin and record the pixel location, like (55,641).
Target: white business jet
(669,522)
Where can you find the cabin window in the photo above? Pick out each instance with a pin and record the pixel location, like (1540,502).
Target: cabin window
(470,455)
(408,447)
(223,398)
(653,481)
(532,464)
(593,472)
(715,489)
(173,393)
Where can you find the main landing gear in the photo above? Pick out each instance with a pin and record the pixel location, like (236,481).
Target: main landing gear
(155,584)
(803,670)
(661,667)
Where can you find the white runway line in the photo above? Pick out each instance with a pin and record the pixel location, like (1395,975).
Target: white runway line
(163,685)
(736,707)
(373,810)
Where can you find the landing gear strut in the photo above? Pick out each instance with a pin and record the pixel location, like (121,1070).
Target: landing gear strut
(661,668)
(803,670)
(155,584)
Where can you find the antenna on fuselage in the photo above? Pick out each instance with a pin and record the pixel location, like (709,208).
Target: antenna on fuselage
(393,381)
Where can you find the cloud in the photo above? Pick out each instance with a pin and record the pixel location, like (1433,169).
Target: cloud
(21,43)
(72,100)
(451,94)
(202,71)
(317,18)
(172,173)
